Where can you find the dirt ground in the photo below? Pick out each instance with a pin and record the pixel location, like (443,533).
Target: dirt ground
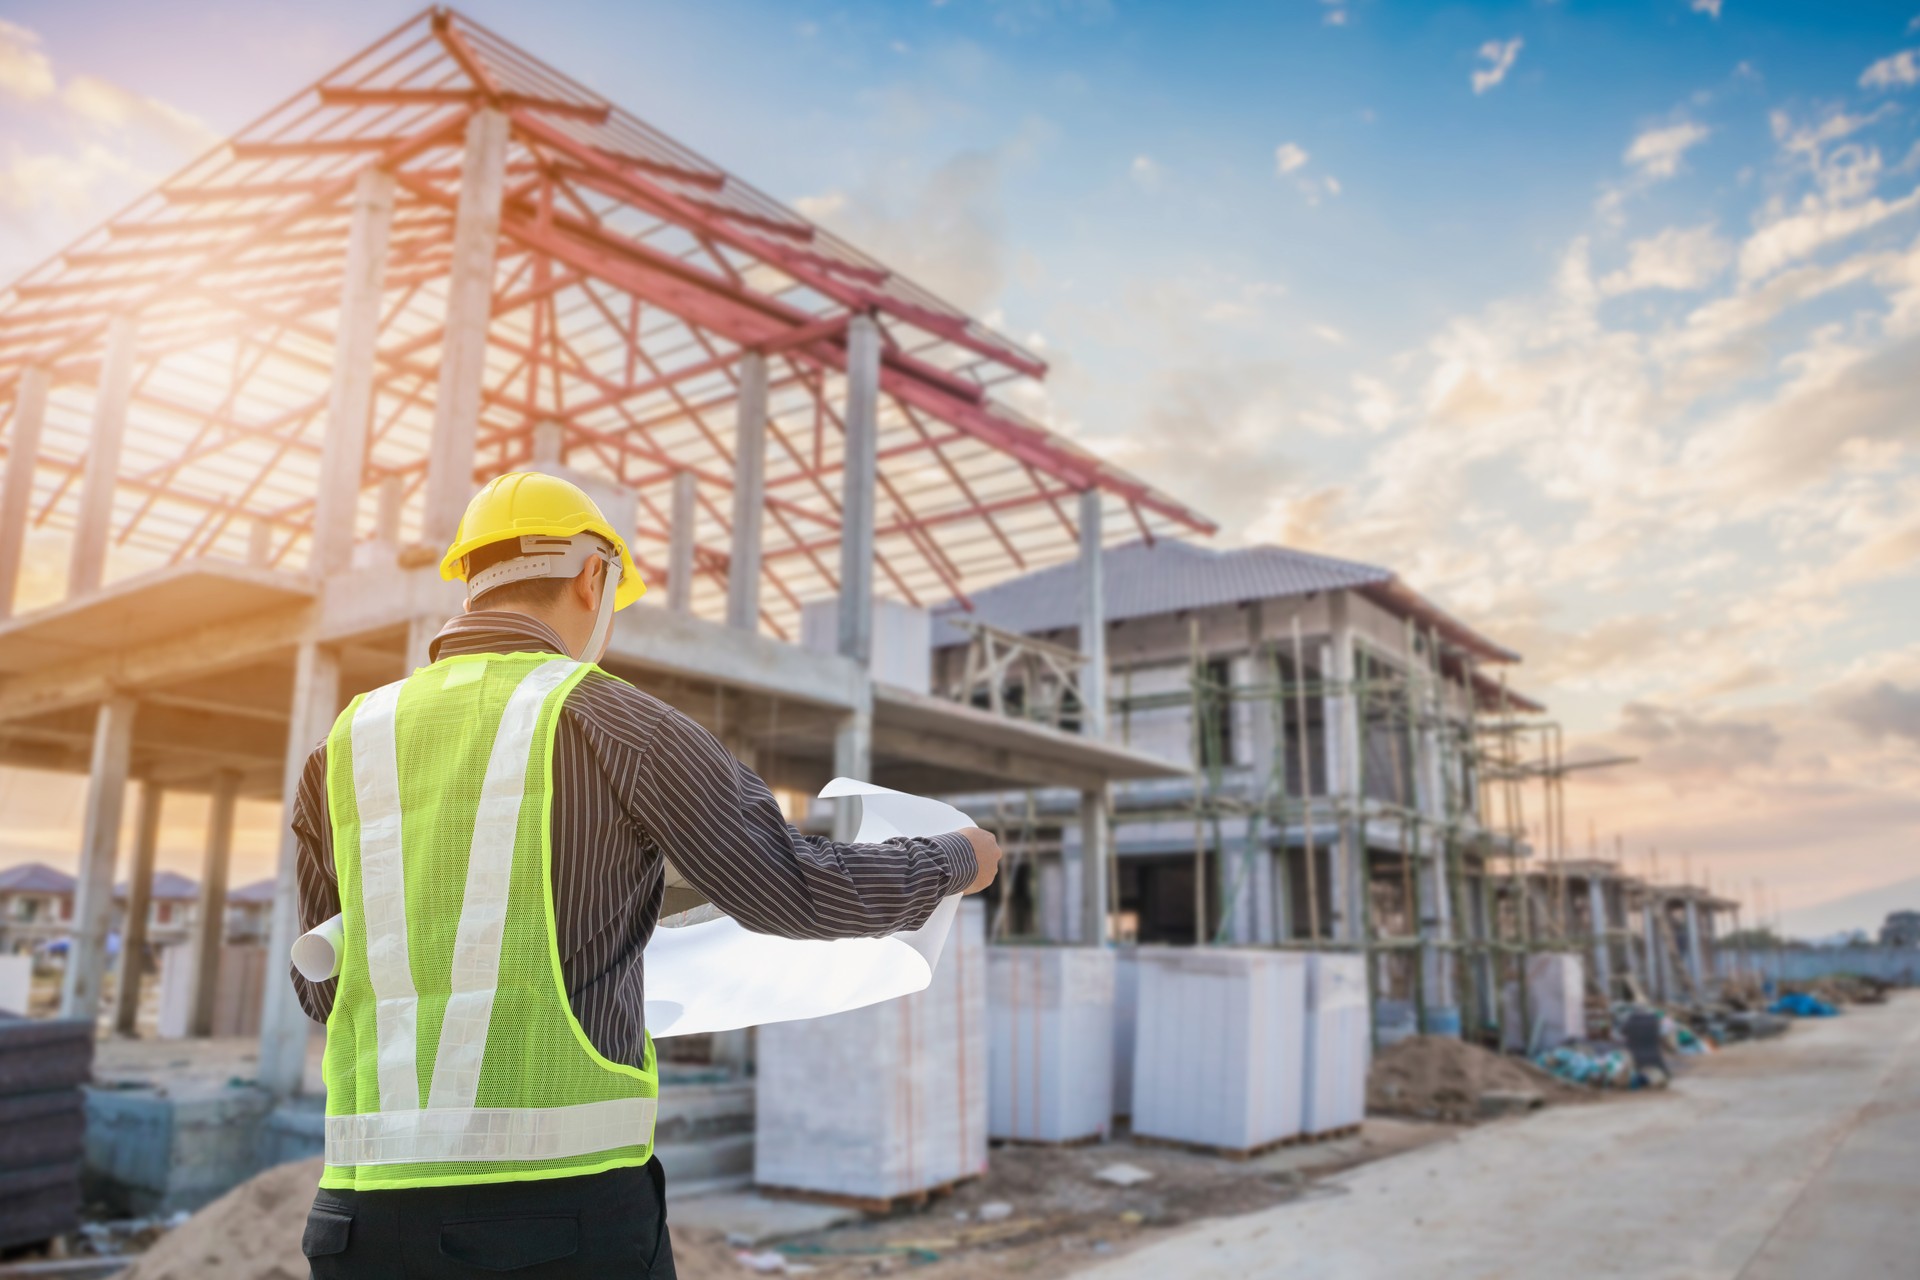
(1063,1217)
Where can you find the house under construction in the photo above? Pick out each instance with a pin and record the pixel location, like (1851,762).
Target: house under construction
(251,407)
(1354,774)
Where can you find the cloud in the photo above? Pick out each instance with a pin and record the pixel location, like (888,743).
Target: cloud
(1656,153)
(108,107)
(1683,743)
(1146,172)
(1818,224)
(1022,16)
(25,72)
(1289,157)
(1709,7)
(944,229)
(1500,57)
(1900,71)
(1882,710)
(62,184)
(1683,259)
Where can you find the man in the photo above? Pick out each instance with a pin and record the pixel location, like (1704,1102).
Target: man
(495,830)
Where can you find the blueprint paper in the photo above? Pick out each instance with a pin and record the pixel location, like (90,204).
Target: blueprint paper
(718,976)
(706,973)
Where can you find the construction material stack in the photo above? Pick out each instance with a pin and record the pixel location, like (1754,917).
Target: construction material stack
(1050,1013)
(1556,1009)
(42,1126)
(1219,1050)
(886,1103)
(1338,1042)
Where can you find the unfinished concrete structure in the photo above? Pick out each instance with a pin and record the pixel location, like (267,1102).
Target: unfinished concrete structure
(1332,728)
(253,405)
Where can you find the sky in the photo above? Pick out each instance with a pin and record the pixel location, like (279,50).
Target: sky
(1599,323)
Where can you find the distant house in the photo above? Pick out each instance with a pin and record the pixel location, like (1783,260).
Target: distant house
(36,906)
(1902,929)
(170,913)
(249,911)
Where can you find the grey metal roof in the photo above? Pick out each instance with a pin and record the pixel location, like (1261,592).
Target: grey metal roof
(258,891)
(168,886)
(1165,576)
(35,877)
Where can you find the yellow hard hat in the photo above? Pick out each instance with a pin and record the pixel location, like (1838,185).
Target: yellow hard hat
(528,503)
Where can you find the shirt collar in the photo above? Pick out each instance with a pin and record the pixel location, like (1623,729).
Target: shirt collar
(493,631)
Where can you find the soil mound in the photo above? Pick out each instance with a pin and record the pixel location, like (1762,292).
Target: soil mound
(253,1233)
(1440,1078)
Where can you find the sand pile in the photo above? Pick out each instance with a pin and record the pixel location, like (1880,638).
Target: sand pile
(253,1233)
(1440,1078)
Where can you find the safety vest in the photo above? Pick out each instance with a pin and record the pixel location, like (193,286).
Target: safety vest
(453,1055)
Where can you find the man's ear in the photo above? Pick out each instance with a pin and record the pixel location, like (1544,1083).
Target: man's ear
(585,581)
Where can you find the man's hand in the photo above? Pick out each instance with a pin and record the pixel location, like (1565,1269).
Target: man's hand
(986,854)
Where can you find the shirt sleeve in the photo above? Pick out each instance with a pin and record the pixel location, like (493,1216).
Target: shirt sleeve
(314,872)
(717,822)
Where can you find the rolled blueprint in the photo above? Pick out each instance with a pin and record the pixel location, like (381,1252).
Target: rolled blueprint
(316,953)
(705,973)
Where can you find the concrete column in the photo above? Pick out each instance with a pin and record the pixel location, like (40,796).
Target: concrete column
(210,921)
(1095,851)
(133,939)
(93,527)
(857,482)
(343,453)
(1093,617)
(1656,954)
(680,545)
(16,493)
(100,836)
(420,634)
(852,758)
(1342,718)
(1696,954)
(749,494)
(463,347)
(283,1024)
(1602,945)
(386,520)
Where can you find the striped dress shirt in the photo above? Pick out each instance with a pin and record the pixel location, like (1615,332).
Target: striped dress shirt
(635,784)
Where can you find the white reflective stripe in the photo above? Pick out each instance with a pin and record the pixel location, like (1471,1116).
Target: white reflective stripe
(493,1134)
(483,906)
(383,898)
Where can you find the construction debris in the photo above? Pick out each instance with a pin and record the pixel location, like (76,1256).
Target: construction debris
(1440,1078)
(1123,1175)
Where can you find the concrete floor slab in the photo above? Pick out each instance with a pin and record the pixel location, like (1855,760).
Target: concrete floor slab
(748,1219)
(1788,1158)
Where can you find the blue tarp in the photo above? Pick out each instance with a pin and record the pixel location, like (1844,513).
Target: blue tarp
(1798,1004)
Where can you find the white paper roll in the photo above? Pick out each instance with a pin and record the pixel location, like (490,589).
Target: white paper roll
(316,953)
(710,974)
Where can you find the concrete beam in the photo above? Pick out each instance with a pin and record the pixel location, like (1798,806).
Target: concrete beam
(99,841)
(857,483)
(198,653)
(680,544)
(463,346)
(283,1024)
(343,454)
(682,645)
(93,523)
(16,494)
(749,494)
(133,939)
(963,756)
(210,923)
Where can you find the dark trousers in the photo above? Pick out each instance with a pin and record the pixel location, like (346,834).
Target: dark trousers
(611,1225)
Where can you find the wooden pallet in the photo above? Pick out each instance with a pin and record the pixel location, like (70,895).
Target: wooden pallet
(1063,1144)
(878,1206)
(1249,1153)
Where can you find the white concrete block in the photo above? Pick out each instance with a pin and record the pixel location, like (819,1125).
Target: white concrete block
(1339,1042)
(1220,1046)
(1050,1042)
(883,1101)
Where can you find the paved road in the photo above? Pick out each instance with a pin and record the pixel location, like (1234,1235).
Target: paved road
(1795,1158)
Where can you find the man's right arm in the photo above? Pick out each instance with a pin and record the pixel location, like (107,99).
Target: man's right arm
(314,873)
(720,826)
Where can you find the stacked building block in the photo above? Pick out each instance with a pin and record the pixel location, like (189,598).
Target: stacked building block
(1339,1042)
(1050,1044)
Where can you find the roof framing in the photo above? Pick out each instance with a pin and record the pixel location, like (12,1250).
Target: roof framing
(631,276)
